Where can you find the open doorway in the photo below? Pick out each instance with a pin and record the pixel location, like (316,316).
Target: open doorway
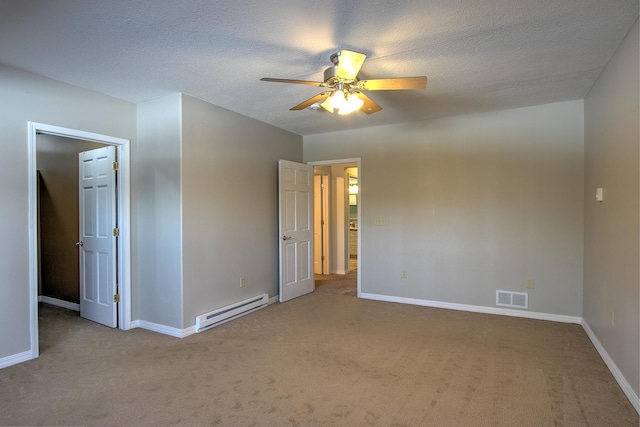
(58,218)
(47,135)
(353,187)
(337,209)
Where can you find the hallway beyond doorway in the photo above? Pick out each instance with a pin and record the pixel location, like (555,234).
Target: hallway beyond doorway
(340,284)
(336,232)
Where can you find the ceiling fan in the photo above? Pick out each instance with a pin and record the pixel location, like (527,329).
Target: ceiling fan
(345,94)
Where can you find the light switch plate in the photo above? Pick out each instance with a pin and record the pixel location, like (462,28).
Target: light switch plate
(379,221)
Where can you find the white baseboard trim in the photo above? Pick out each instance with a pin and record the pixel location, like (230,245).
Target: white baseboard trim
(189,331)
(14,359)
(59,303)
(175,332)
(622,381)
(161,329)
(475,308)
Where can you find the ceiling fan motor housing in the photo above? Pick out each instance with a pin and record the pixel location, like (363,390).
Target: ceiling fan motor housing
(331,73)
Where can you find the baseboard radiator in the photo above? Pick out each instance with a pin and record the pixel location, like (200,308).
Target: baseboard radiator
(230,312)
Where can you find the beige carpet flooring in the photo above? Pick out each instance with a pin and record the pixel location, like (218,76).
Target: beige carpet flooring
(339,284)
(318,360)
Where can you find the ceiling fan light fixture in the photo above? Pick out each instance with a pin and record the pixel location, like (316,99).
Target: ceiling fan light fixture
(345,92)
(342,102)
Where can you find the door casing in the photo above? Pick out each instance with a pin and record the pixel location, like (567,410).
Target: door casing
(321,223)
(124,219)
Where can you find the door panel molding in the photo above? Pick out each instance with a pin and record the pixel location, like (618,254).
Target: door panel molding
(97,239)
(295,219)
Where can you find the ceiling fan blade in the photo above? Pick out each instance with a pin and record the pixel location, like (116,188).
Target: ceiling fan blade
(311,101)
(369,106)
(298,82)
(349,64)
(394,84)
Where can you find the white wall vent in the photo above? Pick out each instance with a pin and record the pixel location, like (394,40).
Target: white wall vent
(512,299)
(230,312)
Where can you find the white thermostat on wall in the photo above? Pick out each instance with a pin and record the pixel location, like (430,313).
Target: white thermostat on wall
(599,194)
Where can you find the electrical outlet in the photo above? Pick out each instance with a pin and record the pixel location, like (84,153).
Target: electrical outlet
(242,282)
(612,319)
(403,274)
(531,284)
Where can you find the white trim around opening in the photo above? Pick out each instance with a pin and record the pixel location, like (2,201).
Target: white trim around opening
(124,221)
(358,164)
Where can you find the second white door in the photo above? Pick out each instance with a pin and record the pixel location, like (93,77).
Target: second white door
(295,185)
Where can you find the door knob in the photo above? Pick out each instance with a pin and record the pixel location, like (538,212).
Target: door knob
(80,243)
(287,237)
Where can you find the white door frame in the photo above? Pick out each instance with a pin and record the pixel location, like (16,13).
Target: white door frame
(326,223)
(124,220)
(321,221)
(358,164)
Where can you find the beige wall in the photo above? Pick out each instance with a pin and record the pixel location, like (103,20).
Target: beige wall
(27,97)
(57,164)
(229,205)
(472,204)
(611,268)
(157,296)
(207,179)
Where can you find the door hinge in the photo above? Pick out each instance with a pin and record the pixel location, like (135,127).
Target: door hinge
(116,232)
(116,297)
(114,166)
(322,257)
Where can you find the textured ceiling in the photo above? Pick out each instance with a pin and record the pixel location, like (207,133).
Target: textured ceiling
(478,55)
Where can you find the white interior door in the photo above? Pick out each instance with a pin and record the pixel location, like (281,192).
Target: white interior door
(295,193)
(98,231)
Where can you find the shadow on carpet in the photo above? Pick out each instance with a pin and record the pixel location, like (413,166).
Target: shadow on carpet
(339,284)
